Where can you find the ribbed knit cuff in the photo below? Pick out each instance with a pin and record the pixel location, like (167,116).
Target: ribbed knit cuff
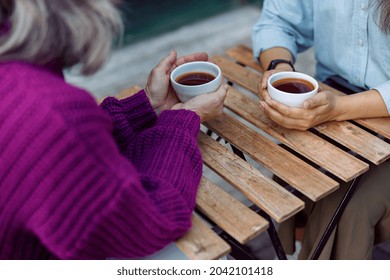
(136,110)
(184,119)
(138,104)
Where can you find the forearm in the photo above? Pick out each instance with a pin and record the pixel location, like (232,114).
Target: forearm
(172,144)
(267,56)
(118,208)
(130,116)
(368,104)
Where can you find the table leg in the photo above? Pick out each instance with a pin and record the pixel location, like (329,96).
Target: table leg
(272,233)
(335,219)
(239,251)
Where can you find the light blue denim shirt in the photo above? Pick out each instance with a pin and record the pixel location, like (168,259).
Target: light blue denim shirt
(345,34)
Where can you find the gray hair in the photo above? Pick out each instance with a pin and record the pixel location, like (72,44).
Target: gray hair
(62,31)
(384,7)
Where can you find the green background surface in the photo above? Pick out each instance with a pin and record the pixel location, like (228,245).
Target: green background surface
(147,18)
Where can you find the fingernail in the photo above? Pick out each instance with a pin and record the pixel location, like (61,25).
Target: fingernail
(262,105)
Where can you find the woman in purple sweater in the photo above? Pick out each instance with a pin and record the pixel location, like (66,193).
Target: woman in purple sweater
(78,181)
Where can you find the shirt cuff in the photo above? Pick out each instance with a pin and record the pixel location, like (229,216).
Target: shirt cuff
(384,90)
(270,38)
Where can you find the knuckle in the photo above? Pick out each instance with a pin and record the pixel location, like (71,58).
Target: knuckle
(287,111)
(305,126)
(154,71)
(283,120)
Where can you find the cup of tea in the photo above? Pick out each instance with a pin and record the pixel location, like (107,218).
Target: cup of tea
(194,78)
(291,88)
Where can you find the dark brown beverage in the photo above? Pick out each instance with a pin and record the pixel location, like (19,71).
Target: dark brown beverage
(195,78)
(293,85)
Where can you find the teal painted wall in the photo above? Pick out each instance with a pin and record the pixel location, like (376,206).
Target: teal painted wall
(146,18)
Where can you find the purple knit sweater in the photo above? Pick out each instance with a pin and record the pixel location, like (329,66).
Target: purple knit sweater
(82,182)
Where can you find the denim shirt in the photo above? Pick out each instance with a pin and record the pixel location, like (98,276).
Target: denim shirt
(345,34)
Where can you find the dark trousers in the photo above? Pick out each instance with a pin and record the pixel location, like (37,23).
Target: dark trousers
(342,85)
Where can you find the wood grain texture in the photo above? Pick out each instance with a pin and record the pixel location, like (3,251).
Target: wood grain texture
(243,54)
(262,191)
(358,140)
(125,93)
(228,213)
(313,147)
(202,243)
(300,175)
(238,74)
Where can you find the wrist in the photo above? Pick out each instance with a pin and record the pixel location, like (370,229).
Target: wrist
(281,64)
(284,67)
(153,103)
(340,106)
(182,106)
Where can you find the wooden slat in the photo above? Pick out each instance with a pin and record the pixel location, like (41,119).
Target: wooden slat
(374,153)
(238,74)
(243,55)
(265,193)
(125,93)
(289,168)
(357,139)
(228,213)
(318,150)
(128,92)
(378,125)
(202,243)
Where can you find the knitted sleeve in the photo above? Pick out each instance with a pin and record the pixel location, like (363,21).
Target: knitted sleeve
(135,130)
(99,202)
(130,116)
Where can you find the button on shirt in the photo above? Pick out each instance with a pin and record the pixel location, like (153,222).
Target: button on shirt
(345,34)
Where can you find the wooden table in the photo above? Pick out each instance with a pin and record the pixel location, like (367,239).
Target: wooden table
(310,164)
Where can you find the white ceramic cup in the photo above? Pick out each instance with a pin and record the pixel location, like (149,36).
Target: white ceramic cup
(287,98)
(186,92)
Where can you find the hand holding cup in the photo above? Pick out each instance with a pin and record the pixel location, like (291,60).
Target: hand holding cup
(291,88)
(199,87)
(194,78)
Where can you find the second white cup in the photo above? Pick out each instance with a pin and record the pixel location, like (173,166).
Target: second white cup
(291,88)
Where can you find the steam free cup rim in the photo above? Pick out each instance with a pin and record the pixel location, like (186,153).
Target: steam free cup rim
(290,99)
(185,92)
